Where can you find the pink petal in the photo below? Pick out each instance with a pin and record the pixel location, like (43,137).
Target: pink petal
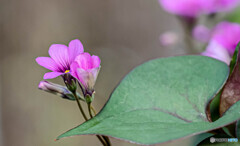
(73,69)
(217,51)
(222,5)
(75,48)
(87,77)
(84,61)
(82,76)
(51,75)
(59,53)
(227,34)
(190,8)
(201,33)
(47,62)
(95,61)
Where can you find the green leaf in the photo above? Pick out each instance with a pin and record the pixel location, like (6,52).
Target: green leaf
(231,91)
(162,100)
(213,112)
(199,138)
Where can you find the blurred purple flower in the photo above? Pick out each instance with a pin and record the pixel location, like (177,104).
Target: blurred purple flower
(190,8)
(85,68)
(215,50)
(194,8)
(201,33)
(60,58)
(222,5)
(227,35)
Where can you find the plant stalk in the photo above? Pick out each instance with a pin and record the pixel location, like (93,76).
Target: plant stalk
(187,25)
(90,109)
(85,117)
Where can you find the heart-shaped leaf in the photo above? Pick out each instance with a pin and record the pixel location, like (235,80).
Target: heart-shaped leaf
(162,100)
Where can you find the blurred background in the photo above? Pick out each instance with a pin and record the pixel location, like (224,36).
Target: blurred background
(124,33)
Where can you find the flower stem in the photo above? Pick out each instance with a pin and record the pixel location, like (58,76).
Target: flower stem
(80,107)
(187,25)
(94,111)
(85,117)
(90,109)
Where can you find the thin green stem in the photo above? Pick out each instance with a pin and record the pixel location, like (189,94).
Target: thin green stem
(90,109)
(80,107)
(85,117)
(94,111)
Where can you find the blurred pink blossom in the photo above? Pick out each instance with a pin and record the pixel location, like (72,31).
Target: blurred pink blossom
(223,41)
(190,8)
(168,38)
(85,68)
(60,58)
(227,35)
(222,5)
(201,33)
(215,50)
(194,8)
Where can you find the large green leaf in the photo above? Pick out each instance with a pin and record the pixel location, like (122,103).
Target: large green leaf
(162,100)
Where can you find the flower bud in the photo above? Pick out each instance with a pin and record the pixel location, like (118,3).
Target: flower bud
(89,98)
(57,90)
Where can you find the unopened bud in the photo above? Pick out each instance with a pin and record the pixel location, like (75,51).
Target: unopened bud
(89,98)
(57,90)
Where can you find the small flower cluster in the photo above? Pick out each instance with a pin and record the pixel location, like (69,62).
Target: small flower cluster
(74,65)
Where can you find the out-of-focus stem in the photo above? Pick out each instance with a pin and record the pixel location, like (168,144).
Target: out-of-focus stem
(188,24)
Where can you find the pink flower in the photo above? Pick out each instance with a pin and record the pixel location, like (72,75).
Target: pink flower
(223,41)
(85,68)
(227,35)
(60,58)
(201,33)
(194,8)
(190,8)
(215,50)
(222,5)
